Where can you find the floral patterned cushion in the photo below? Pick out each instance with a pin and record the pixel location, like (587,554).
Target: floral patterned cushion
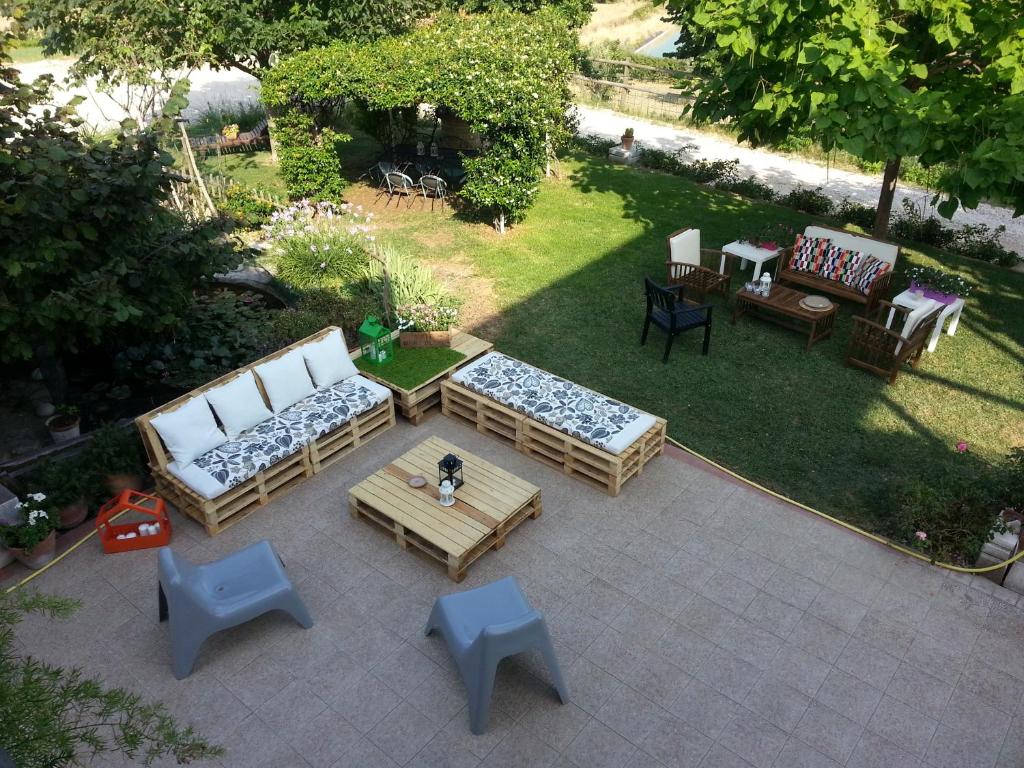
(277,438)
(563,405)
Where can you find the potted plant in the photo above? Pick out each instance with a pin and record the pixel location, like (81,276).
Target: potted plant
(427,325)
(114,460)
(230,131)
(65,486)
(627,139)
(935,284)
(65,424)
(33,541)
(773,236)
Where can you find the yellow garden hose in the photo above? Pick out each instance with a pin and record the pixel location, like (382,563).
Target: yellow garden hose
(706,460)
(855,529)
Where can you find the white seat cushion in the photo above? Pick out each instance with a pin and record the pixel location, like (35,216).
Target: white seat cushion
(264,445)
(189,430)
(239,404)
(199,480)
(286,380)
(563,405)
(328,360)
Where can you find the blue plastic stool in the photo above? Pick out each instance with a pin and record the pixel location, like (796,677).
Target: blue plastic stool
(485,625)
(200,600)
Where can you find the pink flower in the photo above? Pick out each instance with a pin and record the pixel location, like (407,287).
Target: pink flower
(921,536)
(961,447)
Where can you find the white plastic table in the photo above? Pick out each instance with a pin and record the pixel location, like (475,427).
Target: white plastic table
(909,300)
(748,252)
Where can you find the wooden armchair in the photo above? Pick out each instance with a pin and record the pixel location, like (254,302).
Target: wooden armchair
(700,270)
(883,351)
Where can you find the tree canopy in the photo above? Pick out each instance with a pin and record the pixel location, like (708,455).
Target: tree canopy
(942,80)
(506,74)
(91,254)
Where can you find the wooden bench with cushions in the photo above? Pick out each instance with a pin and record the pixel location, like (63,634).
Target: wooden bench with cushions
(585,434)
(226,448)
(849,266)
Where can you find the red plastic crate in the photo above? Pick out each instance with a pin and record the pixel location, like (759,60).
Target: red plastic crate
(132,501)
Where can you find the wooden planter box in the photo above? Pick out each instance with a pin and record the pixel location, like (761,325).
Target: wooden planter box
(418,339)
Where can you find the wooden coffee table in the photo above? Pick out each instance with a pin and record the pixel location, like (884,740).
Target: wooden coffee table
(489,504)
(782,307)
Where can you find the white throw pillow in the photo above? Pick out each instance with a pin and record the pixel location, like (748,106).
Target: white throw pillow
(239,404)
(328,360)
(189,431)
(286,380)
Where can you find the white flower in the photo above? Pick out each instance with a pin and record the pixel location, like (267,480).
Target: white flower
(323,265)
(37,496)
(312,248)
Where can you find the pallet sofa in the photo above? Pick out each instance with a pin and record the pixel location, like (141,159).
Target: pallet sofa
(845,264)
(583,433)
(223,450)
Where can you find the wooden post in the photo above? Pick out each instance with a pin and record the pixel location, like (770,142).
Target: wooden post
(187,147)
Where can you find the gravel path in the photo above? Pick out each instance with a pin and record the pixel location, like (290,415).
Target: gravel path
(211,87)
(784,172)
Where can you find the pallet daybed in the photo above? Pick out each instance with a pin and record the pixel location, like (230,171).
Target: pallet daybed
(583,433)
(320,429)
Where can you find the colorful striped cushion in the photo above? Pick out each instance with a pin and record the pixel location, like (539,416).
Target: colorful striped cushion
(870,270)
(808,253)
(840,264)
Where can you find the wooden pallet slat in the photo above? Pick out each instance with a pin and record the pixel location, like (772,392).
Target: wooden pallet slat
(550,446)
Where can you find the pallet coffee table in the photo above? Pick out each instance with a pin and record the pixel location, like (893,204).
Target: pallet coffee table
(782,307)
(489,504)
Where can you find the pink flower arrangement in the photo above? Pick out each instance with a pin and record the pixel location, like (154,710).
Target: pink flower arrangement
(921,536)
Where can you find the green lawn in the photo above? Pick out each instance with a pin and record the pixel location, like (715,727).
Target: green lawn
(568,284)
(253,169)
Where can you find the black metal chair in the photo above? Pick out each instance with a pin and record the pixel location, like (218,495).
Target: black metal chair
(668,310)
(435,188)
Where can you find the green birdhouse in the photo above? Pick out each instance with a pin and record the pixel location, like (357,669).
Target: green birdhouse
(375,341)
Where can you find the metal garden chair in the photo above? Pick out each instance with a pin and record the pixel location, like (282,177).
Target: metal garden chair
(667,309)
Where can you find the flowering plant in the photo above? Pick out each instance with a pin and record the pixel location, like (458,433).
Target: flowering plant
(937,280)
(38,522)
(230,131)
(427,317)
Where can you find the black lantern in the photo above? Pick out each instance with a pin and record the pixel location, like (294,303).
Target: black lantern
(450,468)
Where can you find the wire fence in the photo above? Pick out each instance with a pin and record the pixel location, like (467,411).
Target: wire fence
(631,88)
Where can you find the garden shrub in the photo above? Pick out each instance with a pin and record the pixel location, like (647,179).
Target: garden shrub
(593,144)
(224,331)
(310,157)
(710,171)
(979,241)
(748,187)
(911,224)
(321,260)
(812,201)
(409,282)
(851,212)
(948,518)
(317,309)
(212,118)
(661,160)
(245,206)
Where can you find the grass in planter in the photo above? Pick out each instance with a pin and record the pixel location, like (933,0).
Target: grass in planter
(412,367)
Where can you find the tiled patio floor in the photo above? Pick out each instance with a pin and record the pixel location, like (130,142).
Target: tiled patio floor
(698,623)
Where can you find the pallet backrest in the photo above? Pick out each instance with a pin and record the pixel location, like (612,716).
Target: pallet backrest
(155,448)
(870,246)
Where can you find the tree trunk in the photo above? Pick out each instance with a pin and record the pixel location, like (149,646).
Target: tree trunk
(499,222)
(884,209)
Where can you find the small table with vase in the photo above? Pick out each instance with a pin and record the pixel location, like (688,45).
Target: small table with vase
(913,299)
(748,252)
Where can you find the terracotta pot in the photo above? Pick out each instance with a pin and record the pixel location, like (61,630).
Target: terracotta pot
(413,339)
(39,555)
(72,515)
(123,481)
(63,428)
(627,143)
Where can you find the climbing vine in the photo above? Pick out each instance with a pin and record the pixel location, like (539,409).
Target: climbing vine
(504,73)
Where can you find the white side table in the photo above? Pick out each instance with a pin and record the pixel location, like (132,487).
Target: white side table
(909,300)
(748,252)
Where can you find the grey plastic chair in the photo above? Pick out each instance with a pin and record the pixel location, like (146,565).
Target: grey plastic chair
(200,600)
(485,625)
